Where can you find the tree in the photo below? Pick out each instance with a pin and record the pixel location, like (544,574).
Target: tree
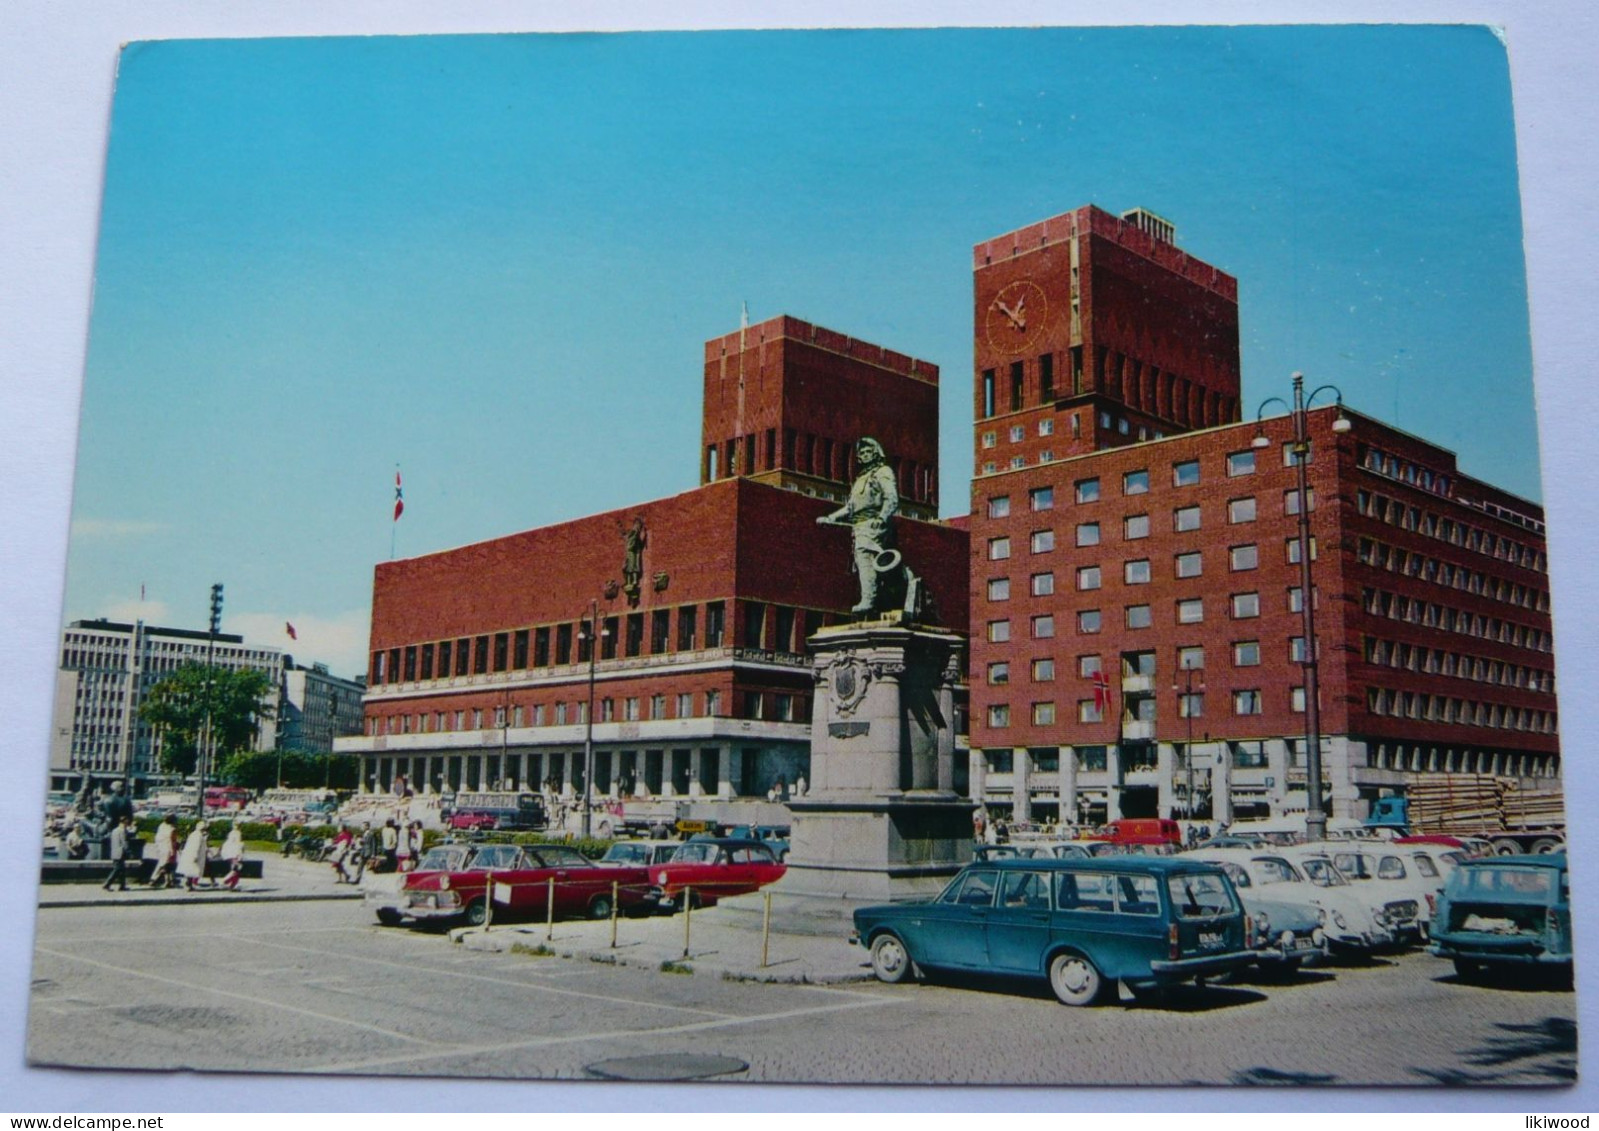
(176,706)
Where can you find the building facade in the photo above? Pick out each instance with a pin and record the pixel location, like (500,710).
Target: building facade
(1137,630)
(481,672)
(317,707)
(106,670)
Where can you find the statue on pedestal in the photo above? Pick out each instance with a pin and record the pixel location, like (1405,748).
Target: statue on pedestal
(886,585)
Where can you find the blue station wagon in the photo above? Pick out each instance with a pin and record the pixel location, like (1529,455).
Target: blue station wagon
(1082,924)
(1502,912)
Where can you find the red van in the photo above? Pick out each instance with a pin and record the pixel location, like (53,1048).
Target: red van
(1141,830)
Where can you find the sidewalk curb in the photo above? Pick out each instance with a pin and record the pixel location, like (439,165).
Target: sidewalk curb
(198,899)
(645,955)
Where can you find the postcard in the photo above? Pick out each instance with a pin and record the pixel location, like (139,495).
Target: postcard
(977,556)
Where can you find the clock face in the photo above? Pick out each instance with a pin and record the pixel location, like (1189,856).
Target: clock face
(1015,317)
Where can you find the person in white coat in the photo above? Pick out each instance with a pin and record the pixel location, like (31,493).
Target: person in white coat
(233,853)
(196,850)
(164,851)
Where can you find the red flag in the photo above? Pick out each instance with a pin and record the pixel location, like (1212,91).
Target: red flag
(289,628)
(399,497)
(1101,692)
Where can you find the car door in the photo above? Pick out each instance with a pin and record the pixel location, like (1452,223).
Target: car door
(1018,926)
(954,930)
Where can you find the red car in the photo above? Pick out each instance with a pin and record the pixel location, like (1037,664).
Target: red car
(704,871)
(453,884)
(472,820)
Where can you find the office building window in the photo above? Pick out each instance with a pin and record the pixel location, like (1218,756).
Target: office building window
(1087,490)
(1135,526)
(999,715)
(1243,557)
(1043,627)
(1138,616)
(1088,533)
(1043,714)
(1088,712)
(1246,702)
(1135,483)
(998,631)
(1088,577)
(1241,463)
(1043,670)
(999,589)
(1043,584)
(1191,610)
(998,673)
(1136,572)
(1246,653)
(999,506)
(1190,657)
(1088,621)
(1190,564)
(1185,474)
(1042,541)
(1042,498)
(1241,510)
(998,549)
(1246,605)
(1185,519)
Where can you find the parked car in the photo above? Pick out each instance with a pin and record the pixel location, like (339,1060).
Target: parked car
(639,852)
(1286,920)
(1354,924)
(471,820)
(1081,924)
(704,871)
(1408,893)
(452,883)
(1504,913)
(774,837)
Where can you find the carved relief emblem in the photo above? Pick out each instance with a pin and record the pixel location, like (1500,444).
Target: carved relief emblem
(847,681)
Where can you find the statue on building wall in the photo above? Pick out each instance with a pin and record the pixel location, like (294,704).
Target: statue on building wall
(886,585)
(633,540)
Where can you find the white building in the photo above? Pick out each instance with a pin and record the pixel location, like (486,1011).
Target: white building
(106,670)
(317,708)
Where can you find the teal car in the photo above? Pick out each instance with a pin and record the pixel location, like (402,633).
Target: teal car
(1083,925)
(1504,912)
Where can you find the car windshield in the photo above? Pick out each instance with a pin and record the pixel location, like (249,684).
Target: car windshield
(497,856)
(1354,865)
(625,853)
(1275,870)
(1200,896)
(559,856)
(1322,872)
(1237,875)
(451,859)
(1505,881)
(695,853)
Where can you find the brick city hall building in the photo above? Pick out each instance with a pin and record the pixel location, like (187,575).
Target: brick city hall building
(480,665)
(1137,641)
(1129,574)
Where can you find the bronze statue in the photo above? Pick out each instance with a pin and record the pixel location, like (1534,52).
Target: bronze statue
(873,502)
(633,539)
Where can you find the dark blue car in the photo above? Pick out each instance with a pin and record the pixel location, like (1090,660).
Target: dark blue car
(1084,925)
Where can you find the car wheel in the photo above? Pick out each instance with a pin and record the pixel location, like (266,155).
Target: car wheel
(600,907)
(891,962)
(477,913)
(1466,969)
(389,917)
(1074,979)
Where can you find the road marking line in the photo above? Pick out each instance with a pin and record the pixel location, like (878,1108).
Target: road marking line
(501,982)
(724,1022)
(235,994)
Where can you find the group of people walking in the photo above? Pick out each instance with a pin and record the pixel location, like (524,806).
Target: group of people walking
(392,847)
(187,862)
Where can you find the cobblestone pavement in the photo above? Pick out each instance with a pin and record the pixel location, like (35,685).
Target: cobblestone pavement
(315,987)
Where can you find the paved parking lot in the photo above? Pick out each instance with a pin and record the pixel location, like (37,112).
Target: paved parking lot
(315,987)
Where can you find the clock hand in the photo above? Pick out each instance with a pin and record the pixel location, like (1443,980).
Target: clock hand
(1015,316)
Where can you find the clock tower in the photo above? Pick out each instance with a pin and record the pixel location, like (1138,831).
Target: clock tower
(1091,331)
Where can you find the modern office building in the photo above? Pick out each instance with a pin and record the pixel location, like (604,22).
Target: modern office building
(317,707)
(481,670)
(1137,635)
(106,670)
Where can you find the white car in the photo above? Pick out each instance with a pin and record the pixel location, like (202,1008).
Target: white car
(1312,878)
(1407,887)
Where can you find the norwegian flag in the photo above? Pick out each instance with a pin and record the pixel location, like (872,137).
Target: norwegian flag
(289,628)
(399,497)
(1101,692)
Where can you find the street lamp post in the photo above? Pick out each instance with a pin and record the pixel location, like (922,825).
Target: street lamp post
(592,633)
(207,744)
(1315,813)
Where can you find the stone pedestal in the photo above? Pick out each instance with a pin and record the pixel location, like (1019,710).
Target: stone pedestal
(882,820)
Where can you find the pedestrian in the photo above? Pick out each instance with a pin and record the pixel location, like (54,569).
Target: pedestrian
(77,847)
(164,850)
(369,841)
(391,846)
(233,853)
(800,785)
(196,853)
(341,849)
(119,855)
(402,848)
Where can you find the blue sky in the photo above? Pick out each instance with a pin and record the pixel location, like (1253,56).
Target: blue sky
(493,260)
